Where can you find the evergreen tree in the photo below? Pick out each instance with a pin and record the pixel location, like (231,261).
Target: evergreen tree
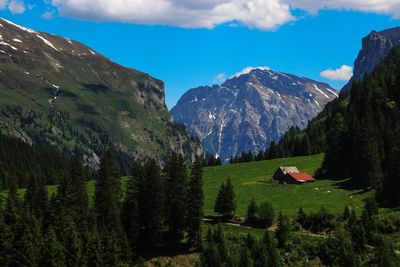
(301,216)
(252,209)
(225,203)
(92,248)
(112,253)
(245,259)
(36,198)
(71,240)
(336,159)
(53,254)
(176,186)
(151,205)
(6,243)
(27,242)
(195,205)
(210,256)
(384,254)
(79,197)
(108,195)
(272,251)
(130,211)
(283,231)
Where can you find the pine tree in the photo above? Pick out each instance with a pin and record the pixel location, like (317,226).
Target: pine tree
(79,198)
(71,240)
(130,209)
(28,242)
(245,259)
(210,256)
(301,216)
(336,159)
(112,253)
(108,195)
(36,198)
(225,203)
(176,186)
(53,254)
(92,248)
(151,205)
(384,254)
(283,231)
(252,209)
(220,241)
(270,248)
(6,244)
(195,205)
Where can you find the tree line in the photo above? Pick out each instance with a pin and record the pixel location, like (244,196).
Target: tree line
(363,141)
(19,160)
(160,210)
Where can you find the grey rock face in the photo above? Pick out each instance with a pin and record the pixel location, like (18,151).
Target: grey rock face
(375,47)
(249,111)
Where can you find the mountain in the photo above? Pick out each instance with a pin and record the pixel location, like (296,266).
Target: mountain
(375,47)
(250,110)
(61,93)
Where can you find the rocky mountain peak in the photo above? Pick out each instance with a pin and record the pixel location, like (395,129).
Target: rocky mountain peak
(375,47)
(250,109)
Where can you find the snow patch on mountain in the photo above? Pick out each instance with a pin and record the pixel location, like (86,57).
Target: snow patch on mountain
(319,90)
(7,44)
(47,42)
(18,26)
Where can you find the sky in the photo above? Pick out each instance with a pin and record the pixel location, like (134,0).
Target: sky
(189,43)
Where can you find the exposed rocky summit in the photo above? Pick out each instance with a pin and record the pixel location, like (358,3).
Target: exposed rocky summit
(250,110)
(58,92)
(375,47)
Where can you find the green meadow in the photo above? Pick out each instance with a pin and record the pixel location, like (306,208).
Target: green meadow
(253,180)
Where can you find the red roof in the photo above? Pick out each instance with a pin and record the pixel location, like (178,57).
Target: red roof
(301,177)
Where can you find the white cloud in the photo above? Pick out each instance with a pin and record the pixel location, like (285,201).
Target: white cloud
(260,14)
(344,73)
(248,70)
(16,7)
(219,78)
(388,7)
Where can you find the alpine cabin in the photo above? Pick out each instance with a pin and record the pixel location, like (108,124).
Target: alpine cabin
(291,175)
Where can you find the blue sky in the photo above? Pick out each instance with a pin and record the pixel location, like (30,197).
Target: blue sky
(305,42)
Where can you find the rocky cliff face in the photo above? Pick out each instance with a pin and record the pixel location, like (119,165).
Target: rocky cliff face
(249,111)
(375,47)
(55,91)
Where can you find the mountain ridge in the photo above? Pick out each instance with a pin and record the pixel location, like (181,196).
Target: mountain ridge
(59,92)
(250,110)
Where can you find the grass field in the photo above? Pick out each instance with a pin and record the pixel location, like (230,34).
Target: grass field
(252,180)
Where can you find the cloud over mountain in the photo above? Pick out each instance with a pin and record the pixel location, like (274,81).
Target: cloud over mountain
(344,73)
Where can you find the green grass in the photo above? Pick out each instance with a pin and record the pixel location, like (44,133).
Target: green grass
(252,180)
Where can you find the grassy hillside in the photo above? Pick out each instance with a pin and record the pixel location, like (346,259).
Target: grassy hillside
(253,180)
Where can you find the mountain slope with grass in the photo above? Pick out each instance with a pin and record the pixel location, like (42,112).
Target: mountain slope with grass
(58,92)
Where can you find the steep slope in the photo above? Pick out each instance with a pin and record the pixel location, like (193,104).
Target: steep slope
(249,111)
(375,47)
(55,91)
